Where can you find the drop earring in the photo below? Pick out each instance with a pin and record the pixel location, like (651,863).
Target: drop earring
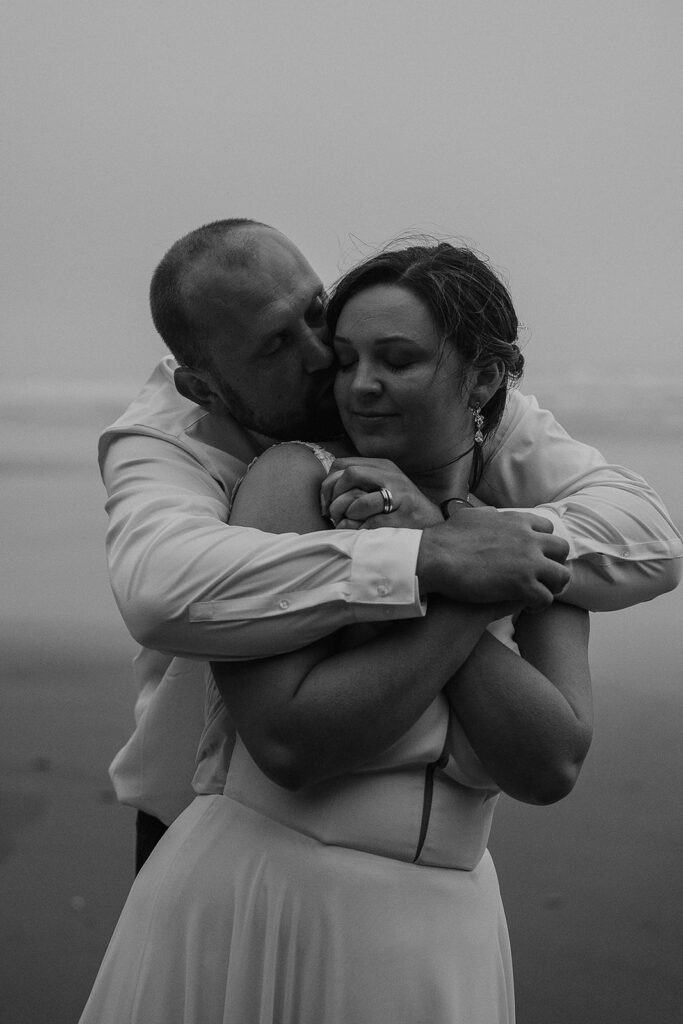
(477,456)
(478,418)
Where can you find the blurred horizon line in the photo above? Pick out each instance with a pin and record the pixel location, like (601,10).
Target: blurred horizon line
(47,422)
(573,388)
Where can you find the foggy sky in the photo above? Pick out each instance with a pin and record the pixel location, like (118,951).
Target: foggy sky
(546,134)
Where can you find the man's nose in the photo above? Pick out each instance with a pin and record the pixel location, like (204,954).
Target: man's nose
(318,354)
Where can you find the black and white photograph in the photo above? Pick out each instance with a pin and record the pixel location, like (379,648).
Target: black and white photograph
(342,462)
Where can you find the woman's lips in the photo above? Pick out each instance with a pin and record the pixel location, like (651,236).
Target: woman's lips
(371,415)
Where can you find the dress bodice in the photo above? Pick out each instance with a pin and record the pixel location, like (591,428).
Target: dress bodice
(426,799)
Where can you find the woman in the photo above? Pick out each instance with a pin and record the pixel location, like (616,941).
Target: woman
(343,875)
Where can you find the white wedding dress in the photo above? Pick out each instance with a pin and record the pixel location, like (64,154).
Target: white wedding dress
(266,906)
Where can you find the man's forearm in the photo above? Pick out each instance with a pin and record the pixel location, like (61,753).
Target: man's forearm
(482,555)
(271,595)
(188,584)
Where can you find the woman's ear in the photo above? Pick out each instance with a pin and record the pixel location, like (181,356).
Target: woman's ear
(486,383)
(198,387)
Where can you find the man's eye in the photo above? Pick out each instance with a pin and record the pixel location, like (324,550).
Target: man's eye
(275,344)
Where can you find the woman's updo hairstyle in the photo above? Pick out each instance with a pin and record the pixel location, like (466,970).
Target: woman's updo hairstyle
(471,307)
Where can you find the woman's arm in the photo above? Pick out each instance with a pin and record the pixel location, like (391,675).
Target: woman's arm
(529,719)
(320,711)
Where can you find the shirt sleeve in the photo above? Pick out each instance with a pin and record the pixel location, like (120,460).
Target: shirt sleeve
(624,548)
(191,585)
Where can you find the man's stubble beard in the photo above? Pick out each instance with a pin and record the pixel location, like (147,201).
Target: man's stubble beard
(319,421)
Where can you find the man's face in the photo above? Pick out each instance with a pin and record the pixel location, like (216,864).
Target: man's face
(266,339)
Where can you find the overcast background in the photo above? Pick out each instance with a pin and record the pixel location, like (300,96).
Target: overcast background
(546,134)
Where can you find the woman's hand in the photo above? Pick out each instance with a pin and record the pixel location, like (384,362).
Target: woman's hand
(350,496)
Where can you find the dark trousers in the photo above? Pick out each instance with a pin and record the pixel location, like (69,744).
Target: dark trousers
(148,831)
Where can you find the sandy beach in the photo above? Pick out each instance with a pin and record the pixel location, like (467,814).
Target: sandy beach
(592,886)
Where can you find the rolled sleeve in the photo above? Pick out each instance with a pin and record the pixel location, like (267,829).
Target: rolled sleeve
(624,547)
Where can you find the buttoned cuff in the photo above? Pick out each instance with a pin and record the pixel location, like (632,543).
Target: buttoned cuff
(373,577)
(384,574)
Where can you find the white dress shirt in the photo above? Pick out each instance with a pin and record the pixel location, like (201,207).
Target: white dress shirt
(190,587)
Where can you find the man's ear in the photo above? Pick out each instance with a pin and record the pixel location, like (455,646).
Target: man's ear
(198,387)
(485,384)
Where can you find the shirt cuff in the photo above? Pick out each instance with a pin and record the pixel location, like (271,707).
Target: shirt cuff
(384,573)
(371,572)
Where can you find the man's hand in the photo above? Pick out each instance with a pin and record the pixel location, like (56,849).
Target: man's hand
(482,554)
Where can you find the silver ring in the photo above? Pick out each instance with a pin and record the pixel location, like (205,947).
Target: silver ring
(388,500)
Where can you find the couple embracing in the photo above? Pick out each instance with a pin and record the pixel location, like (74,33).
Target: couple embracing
(360,656)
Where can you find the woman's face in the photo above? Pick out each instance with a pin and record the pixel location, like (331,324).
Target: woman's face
(400,397)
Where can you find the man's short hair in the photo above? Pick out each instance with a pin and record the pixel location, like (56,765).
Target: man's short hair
(168,299)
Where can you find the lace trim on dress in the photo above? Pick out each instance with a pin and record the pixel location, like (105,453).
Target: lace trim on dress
(322,455)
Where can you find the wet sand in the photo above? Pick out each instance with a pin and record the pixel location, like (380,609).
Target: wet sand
(592,886)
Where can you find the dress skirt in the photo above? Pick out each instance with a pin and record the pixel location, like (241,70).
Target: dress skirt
(239,919)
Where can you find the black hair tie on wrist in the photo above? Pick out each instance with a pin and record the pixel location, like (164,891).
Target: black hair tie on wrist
(443,507)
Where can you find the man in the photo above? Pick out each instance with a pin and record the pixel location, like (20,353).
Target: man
(243,314)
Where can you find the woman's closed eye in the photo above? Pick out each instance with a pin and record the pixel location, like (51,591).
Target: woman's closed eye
(346,357)
(344,364)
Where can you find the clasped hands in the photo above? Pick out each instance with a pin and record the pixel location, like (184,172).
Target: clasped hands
(350,496)
(477,555)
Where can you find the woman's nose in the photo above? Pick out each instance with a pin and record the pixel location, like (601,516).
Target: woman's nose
(365,381)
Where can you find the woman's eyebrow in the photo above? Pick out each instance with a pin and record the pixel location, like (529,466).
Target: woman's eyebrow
(386,339)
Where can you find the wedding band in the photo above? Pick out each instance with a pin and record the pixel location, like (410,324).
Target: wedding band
(388,500)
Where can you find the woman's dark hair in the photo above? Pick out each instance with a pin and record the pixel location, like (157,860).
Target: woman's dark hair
(471,308)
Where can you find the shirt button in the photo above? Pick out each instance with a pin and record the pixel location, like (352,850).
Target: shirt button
(284,604)
(382,590)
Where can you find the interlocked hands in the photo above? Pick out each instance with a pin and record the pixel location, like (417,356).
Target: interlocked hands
(351,496)
(478,555)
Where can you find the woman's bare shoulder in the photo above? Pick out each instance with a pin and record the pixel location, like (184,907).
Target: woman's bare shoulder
(280,493)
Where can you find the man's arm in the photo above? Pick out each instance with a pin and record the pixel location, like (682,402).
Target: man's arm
(189,584)
(621,546)
(624,548)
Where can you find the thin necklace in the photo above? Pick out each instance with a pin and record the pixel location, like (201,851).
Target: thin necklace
(445,465)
